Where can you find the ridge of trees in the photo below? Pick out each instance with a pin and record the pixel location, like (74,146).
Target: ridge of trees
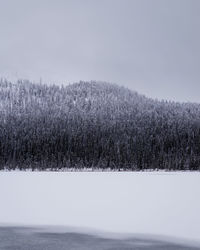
(94,125)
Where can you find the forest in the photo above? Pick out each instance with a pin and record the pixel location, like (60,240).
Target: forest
(94,125)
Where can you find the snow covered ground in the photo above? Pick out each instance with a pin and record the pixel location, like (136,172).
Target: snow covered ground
(153,203)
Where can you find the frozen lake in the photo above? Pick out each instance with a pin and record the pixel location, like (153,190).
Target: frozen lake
(17,238)
(148,203)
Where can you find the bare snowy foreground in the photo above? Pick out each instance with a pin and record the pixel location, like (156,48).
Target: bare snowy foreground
(128,203)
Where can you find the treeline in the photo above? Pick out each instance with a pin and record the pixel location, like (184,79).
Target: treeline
(94,125)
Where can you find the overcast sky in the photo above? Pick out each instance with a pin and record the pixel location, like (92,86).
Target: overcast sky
(151,46)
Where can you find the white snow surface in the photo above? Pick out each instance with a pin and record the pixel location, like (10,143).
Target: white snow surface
(154,203)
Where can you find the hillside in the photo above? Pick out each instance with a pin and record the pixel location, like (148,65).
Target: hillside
(94,125)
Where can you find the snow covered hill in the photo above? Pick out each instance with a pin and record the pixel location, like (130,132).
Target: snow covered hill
(95,125)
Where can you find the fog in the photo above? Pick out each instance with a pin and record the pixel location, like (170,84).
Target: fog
(150,46)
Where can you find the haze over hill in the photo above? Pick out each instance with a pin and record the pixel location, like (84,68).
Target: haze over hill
(151,46)
(95,125)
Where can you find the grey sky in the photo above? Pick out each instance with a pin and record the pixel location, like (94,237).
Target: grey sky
(152,46)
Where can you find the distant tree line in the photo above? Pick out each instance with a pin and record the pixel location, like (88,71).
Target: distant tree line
(94,125)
